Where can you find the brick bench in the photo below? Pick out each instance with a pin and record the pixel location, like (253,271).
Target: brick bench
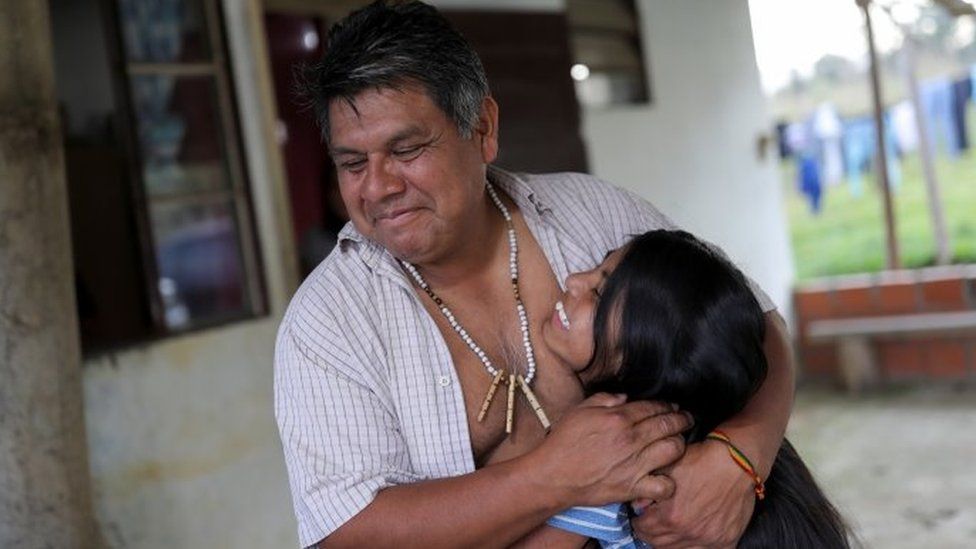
(857,361)
(907,325)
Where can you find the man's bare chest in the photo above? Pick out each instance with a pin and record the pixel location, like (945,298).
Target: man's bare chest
(490,318)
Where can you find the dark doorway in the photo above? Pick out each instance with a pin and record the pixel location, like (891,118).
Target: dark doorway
(317,214)
(528,67)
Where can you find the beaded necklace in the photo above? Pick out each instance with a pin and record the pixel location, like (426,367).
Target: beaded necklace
(498,376)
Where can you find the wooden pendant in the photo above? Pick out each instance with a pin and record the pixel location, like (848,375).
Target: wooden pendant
(510,413)
(490,395)
(534,404)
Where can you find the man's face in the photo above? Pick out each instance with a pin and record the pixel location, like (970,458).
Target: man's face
(407,178)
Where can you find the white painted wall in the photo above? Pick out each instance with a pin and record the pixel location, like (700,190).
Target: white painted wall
(183,447)
(692,152)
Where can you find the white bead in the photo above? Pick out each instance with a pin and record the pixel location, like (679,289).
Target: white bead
(520,307)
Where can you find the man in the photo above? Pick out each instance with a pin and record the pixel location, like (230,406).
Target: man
(412,388)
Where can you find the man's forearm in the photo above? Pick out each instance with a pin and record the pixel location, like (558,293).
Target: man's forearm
(492,507)
(601,451)
(758,429)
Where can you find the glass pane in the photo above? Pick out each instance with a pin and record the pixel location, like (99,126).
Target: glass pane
(164,31)
(179,133)
(201,275)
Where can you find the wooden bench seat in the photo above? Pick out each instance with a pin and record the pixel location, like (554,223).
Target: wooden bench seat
(854,335)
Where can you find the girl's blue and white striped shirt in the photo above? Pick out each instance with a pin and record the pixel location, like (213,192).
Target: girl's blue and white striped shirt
(608,524)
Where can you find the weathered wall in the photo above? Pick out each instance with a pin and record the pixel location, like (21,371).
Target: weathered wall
(184,449)
(692,152)
(44,491)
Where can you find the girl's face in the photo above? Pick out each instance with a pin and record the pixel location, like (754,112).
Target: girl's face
(569,331)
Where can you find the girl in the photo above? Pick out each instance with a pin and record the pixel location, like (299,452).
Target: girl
(667,318)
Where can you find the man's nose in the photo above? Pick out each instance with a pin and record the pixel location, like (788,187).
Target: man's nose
(382,180)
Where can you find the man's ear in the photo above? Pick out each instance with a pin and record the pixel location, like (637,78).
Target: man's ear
(487,129)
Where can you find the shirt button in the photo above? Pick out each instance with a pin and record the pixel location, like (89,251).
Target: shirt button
(443,381)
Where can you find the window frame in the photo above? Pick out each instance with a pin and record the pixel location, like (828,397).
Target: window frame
(237,193)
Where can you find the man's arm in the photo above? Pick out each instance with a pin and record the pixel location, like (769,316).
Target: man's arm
(714,499)
(759,428)
(492,506)
(597,454)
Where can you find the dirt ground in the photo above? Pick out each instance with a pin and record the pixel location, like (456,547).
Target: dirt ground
(898,463)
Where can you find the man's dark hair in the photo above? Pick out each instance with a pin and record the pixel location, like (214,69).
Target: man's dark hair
(677,322)
(389,44)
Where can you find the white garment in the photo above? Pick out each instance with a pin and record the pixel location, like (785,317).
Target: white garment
(904,127)
(828,128)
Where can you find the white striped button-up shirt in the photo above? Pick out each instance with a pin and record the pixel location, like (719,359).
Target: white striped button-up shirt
(366,395)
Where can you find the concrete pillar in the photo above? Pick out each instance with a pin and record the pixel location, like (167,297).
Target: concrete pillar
(45,496)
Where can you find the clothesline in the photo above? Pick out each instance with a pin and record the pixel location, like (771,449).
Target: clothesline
(827,148)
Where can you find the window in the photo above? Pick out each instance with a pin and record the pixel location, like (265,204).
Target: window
(161,217)
(608,61)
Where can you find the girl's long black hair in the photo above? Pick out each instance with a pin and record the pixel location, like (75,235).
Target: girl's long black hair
(677,322)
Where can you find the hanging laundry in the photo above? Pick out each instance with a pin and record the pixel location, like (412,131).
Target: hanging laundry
(892,153)
(828,130)
(972,79)
(904,127)
(937,104)
(859,145)
(797,138)
(809,181)
(962,91)
(860,151)
(782,142)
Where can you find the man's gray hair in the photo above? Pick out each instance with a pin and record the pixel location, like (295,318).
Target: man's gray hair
(392,45)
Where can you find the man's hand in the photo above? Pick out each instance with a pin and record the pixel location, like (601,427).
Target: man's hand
(602,451)
(711,506)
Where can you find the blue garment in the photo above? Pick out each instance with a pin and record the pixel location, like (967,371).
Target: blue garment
(962,90)
(810,184)
(608,524)
(860,149)
(892,152)
(972,77)
(937,102)
(782,141)
(859,144)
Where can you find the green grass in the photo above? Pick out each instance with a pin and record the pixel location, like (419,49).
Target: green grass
(848,234)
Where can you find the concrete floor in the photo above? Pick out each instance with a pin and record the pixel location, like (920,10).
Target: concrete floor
(899,463)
